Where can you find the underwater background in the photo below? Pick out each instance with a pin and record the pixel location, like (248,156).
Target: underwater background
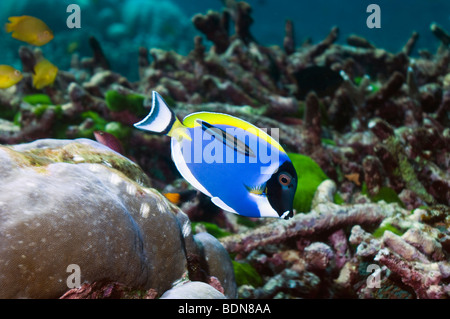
(362,112)
(122,26)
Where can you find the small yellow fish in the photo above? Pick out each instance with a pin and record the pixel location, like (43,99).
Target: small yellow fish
(44,73)
(9,76)
(29,29)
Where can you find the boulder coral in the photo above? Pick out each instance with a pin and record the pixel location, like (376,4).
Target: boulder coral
(76,202)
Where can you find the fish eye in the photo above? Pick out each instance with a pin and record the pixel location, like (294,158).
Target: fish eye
(44,35)
(284,179)
(17,72)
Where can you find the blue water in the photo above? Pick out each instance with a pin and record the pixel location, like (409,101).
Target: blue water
(123,26)
(315,19)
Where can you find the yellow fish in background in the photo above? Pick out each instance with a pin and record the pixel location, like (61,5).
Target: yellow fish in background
(9,76)
(44,73)
(29,29)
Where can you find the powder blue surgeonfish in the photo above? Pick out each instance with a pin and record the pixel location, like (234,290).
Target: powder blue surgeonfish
(241,167)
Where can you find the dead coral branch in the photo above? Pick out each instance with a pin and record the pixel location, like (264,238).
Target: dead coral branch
(325,216)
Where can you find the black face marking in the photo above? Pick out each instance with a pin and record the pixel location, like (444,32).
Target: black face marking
(281,189)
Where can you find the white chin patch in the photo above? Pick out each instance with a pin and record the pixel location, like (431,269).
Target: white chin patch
(264,206)
(284,214)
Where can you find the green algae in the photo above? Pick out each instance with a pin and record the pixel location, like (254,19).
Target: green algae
(117,102)
(338,199)
(17,118)
(246,274)
(78,153)
(247,222)
(386,194)
(40,109)
(357,80)
(118,130)
(405,169)
(327,141)
(211,228)
(99,124)
(374,88)
(378,233)
(35,99)
(41,103)
(310,175)
(26,159)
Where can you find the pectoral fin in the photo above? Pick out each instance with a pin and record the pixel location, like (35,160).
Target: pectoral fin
(257,190)
(227,139)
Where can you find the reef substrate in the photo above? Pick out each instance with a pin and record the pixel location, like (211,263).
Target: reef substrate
(376,122)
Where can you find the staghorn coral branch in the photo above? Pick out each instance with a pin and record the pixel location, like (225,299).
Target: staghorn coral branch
(27,58)
(324,217)
(211,25)
(424,278)
(412,85)
(409,46)
(143,61)
(389,89)
(385,132)
(320,48)
(304,225)
(99,59)
(289,38)
(441,34)
(199,49)
(312,120)
(359,42)
(243,21)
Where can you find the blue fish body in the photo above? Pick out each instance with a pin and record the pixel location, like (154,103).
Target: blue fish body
(238,165)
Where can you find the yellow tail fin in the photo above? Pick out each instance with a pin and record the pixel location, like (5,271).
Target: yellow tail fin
(9,27)
(13,21)
(179,131)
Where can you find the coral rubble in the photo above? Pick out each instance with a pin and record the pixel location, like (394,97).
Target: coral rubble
(375,123)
